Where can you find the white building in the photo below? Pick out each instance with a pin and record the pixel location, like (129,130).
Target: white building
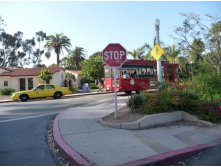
(78,77)
(27,78)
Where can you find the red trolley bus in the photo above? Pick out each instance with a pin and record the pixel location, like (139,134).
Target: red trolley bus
(137,75)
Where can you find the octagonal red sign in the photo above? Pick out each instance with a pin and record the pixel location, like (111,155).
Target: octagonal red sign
(114,55)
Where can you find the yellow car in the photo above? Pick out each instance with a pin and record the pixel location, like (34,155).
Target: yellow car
(43,90)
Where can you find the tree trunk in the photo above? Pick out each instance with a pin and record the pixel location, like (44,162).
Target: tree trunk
(58,59)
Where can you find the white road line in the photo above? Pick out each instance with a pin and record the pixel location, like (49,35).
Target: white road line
(30,117)
(36,116)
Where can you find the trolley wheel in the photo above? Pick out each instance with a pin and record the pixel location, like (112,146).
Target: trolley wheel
(128,92)
(137,91)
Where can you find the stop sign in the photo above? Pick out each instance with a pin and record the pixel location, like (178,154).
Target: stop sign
(114,55)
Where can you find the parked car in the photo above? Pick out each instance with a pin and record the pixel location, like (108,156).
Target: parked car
(40,91)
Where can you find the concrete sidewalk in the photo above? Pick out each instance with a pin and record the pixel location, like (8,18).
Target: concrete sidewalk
(87,142)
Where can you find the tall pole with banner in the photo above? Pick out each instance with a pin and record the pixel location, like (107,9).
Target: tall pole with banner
(114,55)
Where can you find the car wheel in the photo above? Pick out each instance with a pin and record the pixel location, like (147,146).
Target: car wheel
(57,95)
(24,98)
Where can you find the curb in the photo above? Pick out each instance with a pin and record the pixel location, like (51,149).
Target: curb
(165,159)
(170,157)
(150,121)
(6,101)
(73,156)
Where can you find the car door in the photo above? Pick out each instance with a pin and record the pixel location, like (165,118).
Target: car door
(49,90)
(39,91)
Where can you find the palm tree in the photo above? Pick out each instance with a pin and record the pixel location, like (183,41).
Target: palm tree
(172,54)
(147,49)
(137,54)
(58,42)
(77,57)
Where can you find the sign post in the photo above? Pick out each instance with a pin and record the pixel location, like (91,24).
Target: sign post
(114,55)
(159,70)
(157,51)
(115,92)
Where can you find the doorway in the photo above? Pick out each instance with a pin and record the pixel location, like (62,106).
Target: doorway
(22,84)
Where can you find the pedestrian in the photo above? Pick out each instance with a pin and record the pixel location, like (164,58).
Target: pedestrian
(99,86)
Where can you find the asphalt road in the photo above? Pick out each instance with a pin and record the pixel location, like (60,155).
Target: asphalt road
(207,157)
(23,128)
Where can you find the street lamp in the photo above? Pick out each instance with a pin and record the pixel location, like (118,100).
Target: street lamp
(157,25)
(159,70)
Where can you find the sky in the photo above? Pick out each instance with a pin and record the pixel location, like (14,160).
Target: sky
(94,24)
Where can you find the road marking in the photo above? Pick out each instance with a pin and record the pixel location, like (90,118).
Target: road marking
(30,117)
(36,116)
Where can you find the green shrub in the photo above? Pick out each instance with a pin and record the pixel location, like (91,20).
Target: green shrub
(7,91)
(207,86)
(189,101)
(211,111)
(136,102)
(172,97)
(93,86)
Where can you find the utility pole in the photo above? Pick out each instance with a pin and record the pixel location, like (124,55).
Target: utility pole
(159,70)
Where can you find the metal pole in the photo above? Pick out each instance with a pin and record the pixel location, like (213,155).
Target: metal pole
(159,70)
(115,92)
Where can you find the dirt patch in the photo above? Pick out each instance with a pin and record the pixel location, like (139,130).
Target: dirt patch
(57,154)
(123,116)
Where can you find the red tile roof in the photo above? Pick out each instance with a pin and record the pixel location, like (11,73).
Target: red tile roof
(19,72)
(73,72)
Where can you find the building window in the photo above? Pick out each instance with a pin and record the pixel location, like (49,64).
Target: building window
(5,83)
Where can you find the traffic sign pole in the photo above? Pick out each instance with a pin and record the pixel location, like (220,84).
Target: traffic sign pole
(115,92)
(159,70)
(114,55)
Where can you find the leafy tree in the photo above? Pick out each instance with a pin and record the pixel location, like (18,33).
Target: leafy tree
(27,47)
(1,24)
(92,68)
(66,62)
(195,36)
(196,50)
(96,54)
(45,76)
(10,56)
(40,37)
(58,42)
(214,44)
